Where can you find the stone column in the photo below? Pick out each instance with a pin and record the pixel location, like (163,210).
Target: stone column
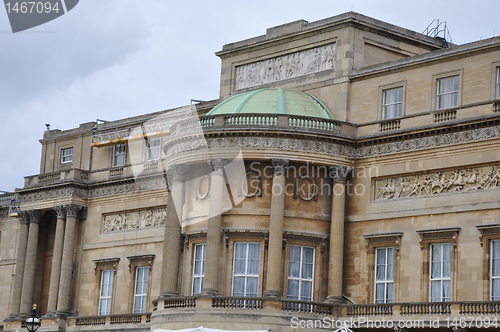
(56,259)
(172,238)
(339,174)
(210,286)
(30,263)
(275,247)
(20,264)
(63,303)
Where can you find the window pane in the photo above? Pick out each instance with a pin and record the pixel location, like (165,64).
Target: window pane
(389,294)
(308,256)
(293,289)
(300,273)
(239,286)
(393,103)
(252,286)
(246,269)
(306,291)
(495,290)
(307,271)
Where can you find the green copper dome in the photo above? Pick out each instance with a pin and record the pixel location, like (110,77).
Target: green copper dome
(274,101)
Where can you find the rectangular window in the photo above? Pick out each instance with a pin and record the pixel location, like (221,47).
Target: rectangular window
(440,272)
(300,273)
(66,155)
(154,146)
(392,103)
(119,153)
(495,270)
(141,289)
(199,267)
(384,275)
(246,269)
(105,292)
(447,92)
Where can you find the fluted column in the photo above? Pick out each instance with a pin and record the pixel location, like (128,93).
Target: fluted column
(339,174)
(275,247)
(172,239)
(214,231)
(63,302)
(20,264)
(30,263)
(55,273)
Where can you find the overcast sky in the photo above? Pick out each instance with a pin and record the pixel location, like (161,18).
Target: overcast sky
(111,59)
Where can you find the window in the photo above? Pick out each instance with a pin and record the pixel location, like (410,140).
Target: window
(246,269)
(440,272)
(105,292)
(153,149)
(66,155)
(384,275)
(447,92)
(199,267)
(495,270)
(392,103)
(141,289)
(300,273)
(119,153)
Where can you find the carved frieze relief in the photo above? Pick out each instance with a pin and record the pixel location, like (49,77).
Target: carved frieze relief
(286,66)
(437,183)
(134,220)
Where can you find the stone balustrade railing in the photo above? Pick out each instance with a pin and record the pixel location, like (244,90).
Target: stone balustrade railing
(74,174)
(260,121)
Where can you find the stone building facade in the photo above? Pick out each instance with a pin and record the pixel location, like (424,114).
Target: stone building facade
(348,173)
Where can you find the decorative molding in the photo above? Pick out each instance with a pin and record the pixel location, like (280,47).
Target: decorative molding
(438,235)
(60,211)
(134,220)
(140,260)
(339,173)
(127,188)
(72,210)
(488,232)
(217,165)
(286,66)
(392,239)
(178,172)
(52,194)
(438,183)
(246,185)
(201,180)
(306,194)
(280,166)
(105,263)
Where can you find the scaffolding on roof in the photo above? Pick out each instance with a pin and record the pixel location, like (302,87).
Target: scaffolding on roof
(124,135)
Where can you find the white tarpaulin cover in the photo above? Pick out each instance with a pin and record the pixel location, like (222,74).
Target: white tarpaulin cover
(205,329)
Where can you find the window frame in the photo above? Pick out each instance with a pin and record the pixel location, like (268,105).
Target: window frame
(245,275)
(489,233)
(434,236)
(441,279)
(144,294)
(491,276)
(203,262)
(136,262)
(150,148)
(435,89)
(109,298)
(116,154)
(63,156)
(102,265)
(300,279)
(385,105)
(381,95)
(497,82)
(376,241)
(386,281)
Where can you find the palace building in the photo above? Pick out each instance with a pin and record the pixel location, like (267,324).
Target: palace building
(348,175)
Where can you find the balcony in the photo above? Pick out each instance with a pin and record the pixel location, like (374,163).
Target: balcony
(238,312)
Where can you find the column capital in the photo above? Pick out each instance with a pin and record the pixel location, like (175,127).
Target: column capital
(339,173)
(74,211)
(178,172)
(280,166)
(24,217)
(35,216)
(60,211)
(217,164)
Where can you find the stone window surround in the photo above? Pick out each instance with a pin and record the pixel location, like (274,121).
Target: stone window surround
(435,82)
(433,236)
(63,150)
(487,234)
(380,104)
(190,242)
(382,240)
(100,265)
(302,240)
(134,263)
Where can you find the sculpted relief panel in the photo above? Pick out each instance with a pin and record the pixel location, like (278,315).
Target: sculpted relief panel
(462,180)
(134,220)
(286,66)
